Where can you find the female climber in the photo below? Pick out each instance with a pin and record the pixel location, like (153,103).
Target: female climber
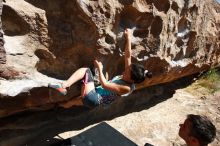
(122,85)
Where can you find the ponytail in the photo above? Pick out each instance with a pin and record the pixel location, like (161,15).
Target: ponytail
(147,74)
(138,73)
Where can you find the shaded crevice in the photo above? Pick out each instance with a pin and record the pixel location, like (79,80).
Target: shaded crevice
(43,54)
(157,65)
(179,55)
(161,5)
(208,48)
(2,42)
(109,39)
(63,37)
(144,20)
(185,8)
(46,60)
(42,4)
(183,28)
(90,9)
(102,11)
(2,49)
(128,17)
(153,44)
(193,9)
(217,51)
(182,24)
(107,15)
(142,33)
(175,7)
(12,23)
(191,43)
(144,53)
(168,51)
(126,2)
(156,26)
(179,42)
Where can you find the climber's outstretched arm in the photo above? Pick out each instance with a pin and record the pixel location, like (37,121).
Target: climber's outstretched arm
(119,89)
(127,48)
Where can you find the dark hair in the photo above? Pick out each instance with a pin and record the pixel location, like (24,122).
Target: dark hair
(202,129)
(138,73)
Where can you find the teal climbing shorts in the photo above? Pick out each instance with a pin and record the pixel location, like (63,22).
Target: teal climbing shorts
(92,99)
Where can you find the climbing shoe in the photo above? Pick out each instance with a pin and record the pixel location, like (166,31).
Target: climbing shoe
(58,87)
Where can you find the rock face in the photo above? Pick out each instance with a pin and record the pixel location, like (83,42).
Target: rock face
(45,41)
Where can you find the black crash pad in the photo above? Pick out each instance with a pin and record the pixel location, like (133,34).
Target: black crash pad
(99,135)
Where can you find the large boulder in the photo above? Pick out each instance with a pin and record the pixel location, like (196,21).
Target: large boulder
(47,40)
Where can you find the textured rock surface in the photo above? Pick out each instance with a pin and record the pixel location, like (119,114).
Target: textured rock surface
(47,40)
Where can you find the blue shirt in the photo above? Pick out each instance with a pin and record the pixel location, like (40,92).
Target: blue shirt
(107,95)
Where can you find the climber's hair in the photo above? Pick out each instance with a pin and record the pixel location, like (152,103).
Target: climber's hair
(202,129)
(138,73)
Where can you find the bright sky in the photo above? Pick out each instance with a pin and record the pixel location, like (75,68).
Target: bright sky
(218,1)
